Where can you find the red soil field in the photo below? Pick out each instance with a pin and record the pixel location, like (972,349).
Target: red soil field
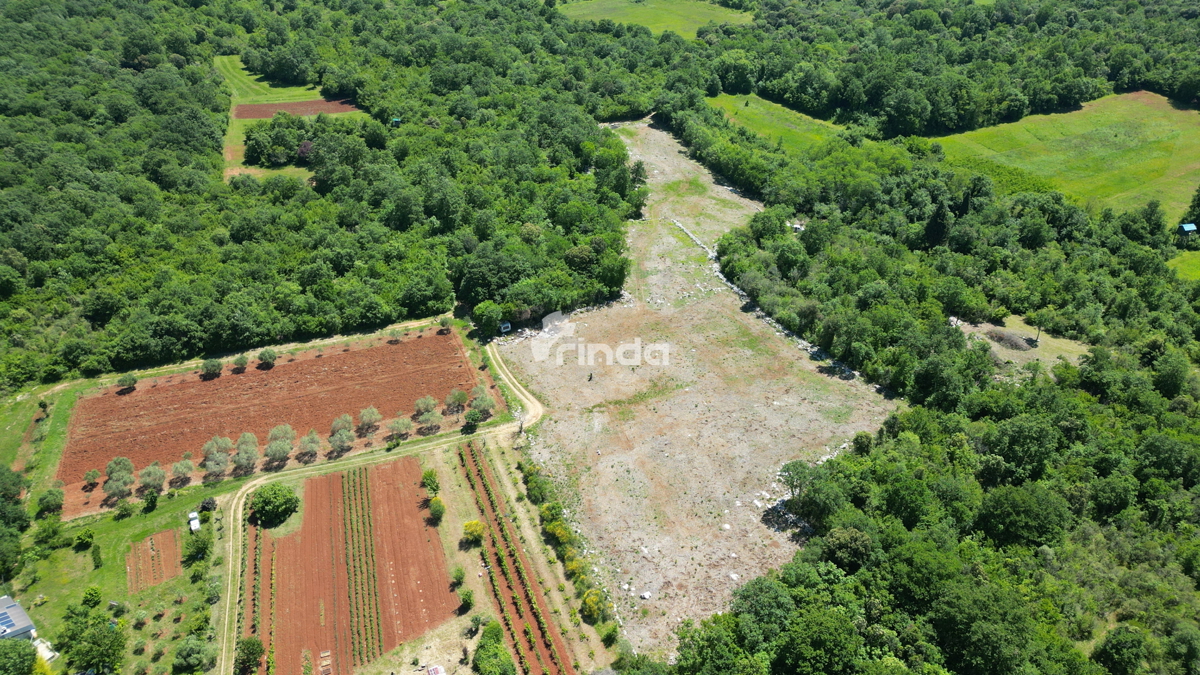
(153,560)
(265,111)
(312,605)
(414,588)
(312,601)
(179,414)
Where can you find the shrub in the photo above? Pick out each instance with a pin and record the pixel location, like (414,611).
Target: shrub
(437,509)
(91,596)
(211,368)
(249,654)
(267,357)
(92,476)
(97,557)
(240,362)
(127,381)
(609,634)
(273,503)
(84,539)
(473,418)
(429,479)
(208,505)
(473,532)
(50,501)
(486,317)
(466,598)
(458,575)
(197,547)
(124,510)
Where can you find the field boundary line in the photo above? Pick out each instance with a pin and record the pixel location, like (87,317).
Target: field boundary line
(237,506)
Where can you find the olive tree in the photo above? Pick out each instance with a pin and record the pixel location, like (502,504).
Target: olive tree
(340,443)
(211,368)
(283,432)
(368,421)
(267,357)
(183,469)
(400,427)
(456,399)
(277,451)
(241,362)
(92,476)
(342,423)
(153,477)
(310,447)
(120,478)
(424,405)
(246,457)
(431,419)
(216,454)
(127,381)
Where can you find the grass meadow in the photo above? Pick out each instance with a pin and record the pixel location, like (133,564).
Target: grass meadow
(795,131)
(1119,151)
(1186,264)
(681,16)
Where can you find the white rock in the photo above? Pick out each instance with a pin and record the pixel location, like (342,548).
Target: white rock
(646,595)
(725,526)
(733,576)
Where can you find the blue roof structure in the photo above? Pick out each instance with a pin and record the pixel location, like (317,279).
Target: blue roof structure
(14,622)
(1187,228)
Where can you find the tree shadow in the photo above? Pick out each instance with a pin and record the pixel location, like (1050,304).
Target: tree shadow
(205,377)
(272,465)
(177,482)
(306,457)
(264,366)
(429,430)
(125,391)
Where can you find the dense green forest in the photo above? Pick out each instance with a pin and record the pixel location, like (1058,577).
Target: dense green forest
(1010,521)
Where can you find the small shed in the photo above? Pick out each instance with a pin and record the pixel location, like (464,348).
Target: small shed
(395,121)
(435,670)
(505,327)
(14,622)
(1187,229)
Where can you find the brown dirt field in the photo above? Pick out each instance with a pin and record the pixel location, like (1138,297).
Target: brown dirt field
(668,470)
(312,606)
(414,586)
(166,417)
(264,111)
(312,595)
(153,560)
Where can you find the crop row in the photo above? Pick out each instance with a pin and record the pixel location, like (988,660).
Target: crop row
(271,616)
(519,564)
(360,563)
(506,550)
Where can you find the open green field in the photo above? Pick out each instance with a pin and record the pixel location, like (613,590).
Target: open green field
(250,88)
(1120,151)
(681,16)
(1186,264)
(796,131)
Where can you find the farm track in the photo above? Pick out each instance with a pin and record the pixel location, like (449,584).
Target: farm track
(236,506)
(537,642)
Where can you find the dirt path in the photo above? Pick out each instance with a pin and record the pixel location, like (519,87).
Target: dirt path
(673,465)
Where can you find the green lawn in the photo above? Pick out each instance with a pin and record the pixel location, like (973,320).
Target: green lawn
(249,88)
(1186,264)
(66,573)
(680,16)
(797,131)
(1120,151)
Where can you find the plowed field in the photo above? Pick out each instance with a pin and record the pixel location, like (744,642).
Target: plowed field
(160,423)
(340,599)
(153,560)
(263,111)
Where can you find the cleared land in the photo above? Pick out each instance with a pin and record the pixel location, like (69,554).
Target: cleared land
(1186,264)
(163,419)
(265,111)
(1018,342)
(795,131)
(1119,151)
(254,97)
(663,458)
(364,573)
(153,560)
(681,16)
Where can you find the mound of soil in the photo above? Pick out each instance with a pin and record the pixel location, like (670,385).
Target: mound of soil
(265,111)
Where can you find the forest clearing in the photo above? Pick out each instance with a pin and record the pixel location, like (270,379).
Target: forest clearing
(363,572)
(162,419)
(682,16)
(659,460)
